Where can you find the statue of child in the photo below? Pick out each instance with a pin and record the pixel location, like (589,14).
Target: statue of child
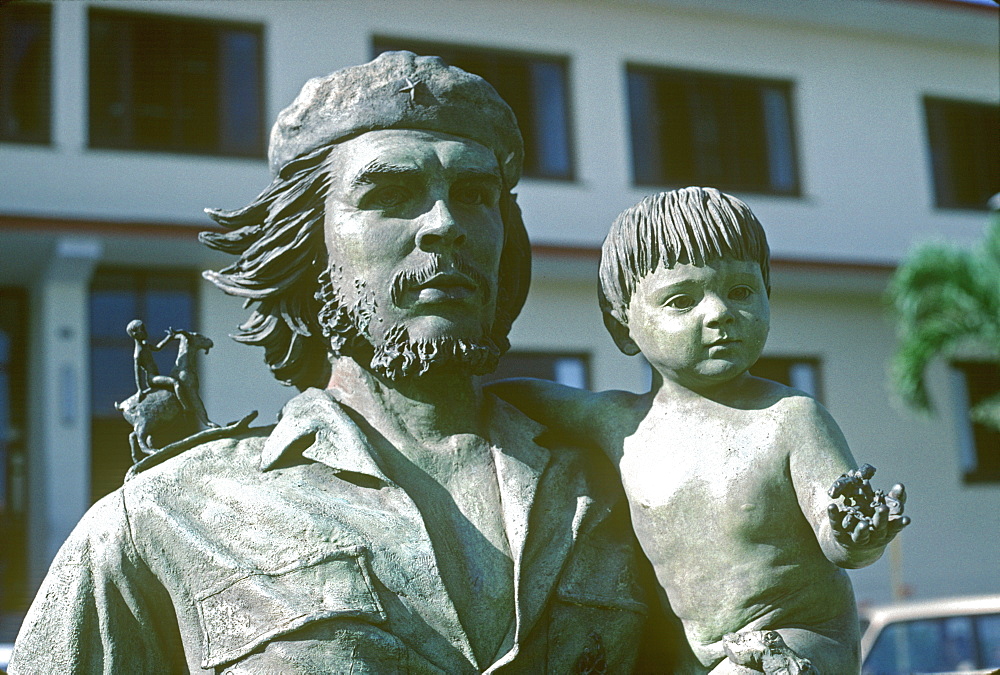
(728,475)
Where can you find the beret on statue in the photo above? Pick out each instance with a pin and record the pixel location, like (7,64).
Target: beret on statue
(397,90)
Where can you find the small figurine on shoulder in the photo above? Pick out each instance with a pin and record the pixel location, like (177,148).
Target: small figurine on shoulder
(165,408)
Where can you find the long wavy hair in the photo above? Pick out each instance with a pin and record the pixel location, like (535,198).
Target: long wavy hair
(283,261)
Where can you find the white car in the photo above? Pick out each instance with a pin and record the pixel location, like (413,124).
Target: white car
(950,635)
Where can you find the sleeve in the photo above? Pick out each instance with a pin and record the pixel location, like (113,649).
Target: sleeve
(99,609)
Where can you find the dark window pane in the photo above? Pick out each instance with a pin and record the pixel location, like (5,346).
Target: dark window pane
(112,379)
(110,455)
(548,101)
(886,654)
(241,117)
(965,151)
(926,646)
(988,634)
(13,450)
(168,309)
(175,84)
(958,648)
(535,87)
(798,372)
(647,166)
(110,312)
(692,128)
(25,56)
(572,370)
(982,381)
(780,148)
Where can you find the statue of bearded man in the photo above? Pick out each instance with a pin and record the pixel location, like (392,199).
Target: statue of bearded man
(396,518)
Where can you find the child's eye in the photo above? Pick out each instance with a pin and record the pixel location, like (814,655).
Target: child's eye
(740,293)
(680,302)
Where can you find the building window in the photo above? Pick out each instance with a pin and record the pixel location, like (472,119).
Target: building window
(534,86)
(570,369)
(13,449)
(25,57)
(175,85)
(798,372)
(693,128)
(976,382)
(162,300)
(965,152)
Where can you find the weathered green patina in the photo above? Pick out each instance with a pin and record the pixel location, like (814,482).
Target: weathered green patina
(396,519)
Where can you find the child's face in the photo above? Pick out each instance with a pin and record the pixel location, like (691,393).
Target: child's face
(701,326)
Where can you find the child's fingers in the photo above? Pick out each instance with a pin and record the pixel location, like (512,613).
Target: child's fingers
(880,520)
(862,533)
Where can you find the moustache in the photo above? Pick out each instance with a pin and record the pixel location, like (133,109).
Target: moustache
(413,278)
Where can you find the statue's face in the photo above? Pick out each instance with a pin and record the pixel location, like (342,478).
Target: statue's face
(701,325)
(414,233)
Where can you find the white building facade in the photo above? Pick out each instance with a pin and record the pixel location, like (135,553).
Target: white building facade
(854,129)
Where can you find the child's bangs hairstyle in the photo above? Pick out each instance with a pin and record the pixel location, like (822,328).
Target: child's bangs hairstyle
(689,226)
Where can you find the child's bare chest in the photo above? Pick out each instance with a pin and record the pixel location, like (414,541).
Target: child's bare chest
(676,461)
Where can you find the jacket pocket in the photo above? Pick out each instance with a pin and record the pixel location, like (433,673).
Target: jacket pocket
(603,576)
(252,607)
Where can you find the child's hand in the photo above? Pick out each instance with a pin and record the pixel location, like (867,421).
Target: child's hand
(869,518)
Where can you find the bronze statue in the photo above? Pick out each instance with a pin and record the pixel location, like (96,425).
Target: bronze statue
(396,519)
(728,475)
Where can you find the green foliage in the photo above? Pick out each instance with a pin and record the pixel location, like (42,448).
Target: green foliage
(946,298)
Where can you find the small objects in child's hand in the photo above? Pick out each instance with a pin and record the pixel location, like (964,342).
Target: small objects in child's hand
(867,516)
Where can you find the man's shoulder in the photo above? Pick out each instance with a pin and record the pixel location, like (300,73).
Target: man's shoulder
(228,453)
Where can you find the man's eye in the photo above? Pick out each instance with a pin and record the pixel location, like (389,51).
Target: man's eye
(388,196)
(471,195)
(680,302)
(740,293)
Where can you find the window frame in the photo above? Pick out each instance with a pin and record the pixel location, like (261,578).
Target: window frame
(692,77)
(941,159)
(16,456)
(815,363)
(583,357)
(381,43)
(43,13)
(126,73)
(973,438)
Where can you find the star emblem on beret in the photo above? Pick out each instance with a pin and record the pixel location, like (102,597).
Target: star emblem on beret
(410,88)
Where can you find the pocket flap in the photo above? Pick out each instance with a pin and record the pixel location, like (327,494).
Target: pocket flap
(253,607)
(603,576)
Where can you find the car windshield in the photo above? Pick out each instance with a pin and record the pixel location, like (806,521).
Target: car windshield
(944,644)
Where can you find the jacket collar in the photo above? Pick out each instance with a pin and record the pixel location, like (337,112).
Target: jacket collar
(333,437)
(336,440)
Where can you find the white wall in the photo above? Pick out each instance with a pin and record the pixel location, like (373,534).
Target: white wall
(857,95)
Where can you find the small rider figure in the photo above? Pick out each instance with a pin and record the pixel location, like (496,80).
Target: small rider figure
(148,378)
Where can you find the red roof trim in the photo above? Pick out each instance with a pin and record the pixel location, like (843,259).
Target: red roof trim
(146,229)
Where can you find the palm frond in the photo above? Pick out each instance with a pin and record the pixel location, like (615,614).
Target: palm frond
(945,298)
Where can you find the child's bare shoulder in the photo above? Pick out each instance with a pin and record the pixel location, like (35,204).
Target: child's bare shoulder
(798,415)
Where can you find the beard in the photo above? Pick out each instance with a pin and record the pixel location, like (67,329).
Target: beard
(396,356)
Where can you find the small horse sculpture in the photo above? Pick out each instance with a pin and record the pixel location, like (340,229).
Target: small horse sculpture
(165,408)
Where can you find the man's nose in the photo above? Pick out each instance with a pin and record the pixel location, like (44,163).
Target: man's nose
(438,228)
(717,311)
